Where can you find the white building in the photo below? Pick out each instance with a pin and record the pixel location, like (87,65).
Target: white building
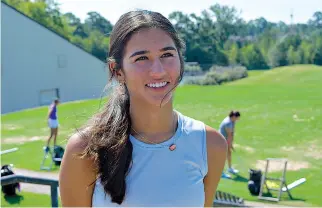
(38,65)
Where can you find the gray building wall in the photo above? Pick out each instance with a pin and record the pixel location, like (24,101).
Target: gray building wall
(36,62)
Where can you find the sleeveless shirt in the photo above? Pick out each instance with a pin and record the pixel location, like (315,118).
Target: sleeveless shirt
(53,114)
(160,177)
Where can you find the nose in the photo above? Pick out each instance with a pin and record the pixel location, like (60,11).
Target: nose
(157,69)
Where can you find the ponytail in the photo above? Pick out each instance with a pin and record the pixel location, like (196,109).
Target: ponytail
(234,113)
(109,144)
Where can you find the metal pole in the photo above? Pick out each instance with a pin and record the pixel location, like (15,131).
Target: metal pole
(54,195)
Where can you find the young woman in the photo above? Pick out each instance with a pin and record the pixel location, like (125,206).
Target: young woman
(139,151)
(227,128)
(52,123)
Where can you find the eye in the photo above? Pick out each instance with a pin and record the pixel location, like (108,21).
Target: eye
(141,58)
(167,55)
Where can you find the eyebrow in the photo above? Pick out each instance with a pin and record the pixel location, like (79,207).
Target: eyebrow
(139,53)
(168,48)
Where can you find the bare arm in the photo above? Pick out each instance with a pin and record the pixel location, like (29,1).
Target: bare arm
(230,137)
(49,111)
(76,176)
(217,153)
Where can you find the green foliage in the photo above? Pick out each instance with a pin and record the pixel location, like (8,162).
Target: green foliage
(217,36)
(317,58)
(99,44)
(252,57)
(232,52)
(221,37)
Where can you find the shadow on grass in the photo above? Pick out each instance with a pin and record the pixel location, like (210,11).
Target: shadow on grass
(284,197)
(240,178)
(14,199)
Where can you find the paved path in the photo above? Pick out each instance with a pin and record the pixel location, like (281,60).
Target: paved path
(259,204)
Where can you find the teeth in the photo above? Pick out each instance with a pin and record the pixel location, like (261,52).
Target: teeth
(160,84)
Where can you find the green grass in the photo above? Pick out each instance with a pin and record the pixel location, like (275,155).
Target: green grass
(281,109)
(252,73)
(25,125)
(33,122)
(26,199)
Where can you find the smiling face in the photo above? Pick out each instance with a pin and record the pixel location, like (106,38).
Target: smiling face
(150,67)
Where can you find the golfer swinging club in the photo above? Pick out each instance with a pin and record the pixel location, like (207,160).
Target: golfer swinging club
(52,124)
(227,130)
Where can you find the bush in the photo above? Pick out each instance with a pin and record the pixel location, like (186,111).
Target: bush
(194,80)
(192,70)
(226,74)
(218,75)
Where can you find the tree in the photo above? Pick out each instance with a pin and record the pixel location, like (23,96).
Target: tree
(316,20)
(225,22)
(97,22)
(279,54)
(217,36)
(232,51)
(99,45)
(72,19)
(252,57)
(293,57)
(317,59)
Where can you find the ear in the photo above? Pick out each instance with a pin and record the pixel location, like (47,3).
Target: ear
(119,74)
(112,66)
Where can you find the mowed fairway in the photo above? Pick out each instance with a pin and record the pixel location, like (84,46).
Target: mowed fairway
(281,117)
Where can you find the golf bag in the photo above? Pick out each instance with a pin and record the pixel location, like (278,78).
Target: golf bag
(10,189)
(254,182)
(58,155)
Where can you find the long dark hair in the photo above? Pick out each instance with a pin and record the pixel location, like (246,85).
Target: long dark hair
(108,131)
(234,113)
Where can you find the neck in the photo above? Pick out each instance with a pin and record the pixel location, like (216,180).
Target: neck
(152,122)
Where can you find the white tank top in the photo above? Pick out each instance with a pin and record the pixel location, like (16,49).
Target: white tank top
(160,177)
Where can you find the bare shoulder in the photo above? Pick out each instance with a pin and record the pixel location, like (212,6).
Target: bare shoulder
(215,141)
(216,157)
(76,143)
(77,175)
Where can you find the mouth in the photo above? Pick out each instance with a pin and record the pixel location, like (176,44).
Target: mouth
(157,85)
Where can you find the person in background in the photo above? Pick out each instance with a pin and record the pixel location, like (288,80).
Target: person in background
(226,128)
(52,120)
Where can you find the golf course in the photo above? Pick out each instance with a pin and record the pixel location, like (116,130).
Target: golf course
(281,117)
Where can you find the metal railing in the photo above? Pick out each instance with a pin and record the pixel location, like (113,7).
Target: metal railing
(6,180)
(223,199)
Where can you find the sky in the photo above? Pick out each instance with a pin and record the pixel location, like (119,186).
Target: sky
(272,10)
